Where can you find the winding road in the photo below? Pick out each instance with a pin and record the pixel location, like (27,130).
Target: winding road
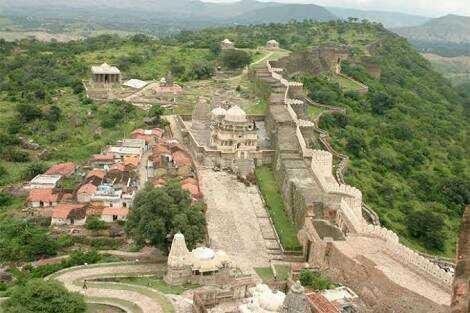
(130,298)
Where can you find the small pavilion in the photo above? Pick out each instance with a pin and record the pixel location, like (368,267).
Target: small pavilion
(106,73)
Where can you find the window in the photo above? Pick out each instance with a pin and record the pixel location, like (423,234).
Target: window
(115,217)
(41,204)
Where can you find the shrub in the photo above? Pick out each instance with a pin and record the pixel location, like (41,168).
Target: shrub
(15,155)
(314,280)
(233,58)
(94,223)
(34,169)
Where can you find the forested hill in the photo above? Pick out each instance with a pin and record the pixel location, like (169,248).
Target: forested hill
(407,138)
(448,35)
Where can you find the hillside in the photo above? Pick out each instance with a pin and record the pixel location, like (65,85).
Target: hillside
(153,17)
(406,138)
(448,35)
(387,19)
(456,69)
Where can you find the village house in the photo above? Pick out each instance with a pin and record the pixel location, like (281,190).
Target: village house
(151,136)
(112,214)
(106,74)
(167,87)
(69,214)
(102,160)
(42,198)
(112,197)
(85,192)
(63,169)
(44,181)
(119,151)
(95,176)
(134,143)
(131,162)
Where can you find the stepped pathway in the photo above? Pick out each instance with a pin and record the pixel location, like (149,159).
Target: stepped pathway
(142,299)
(237,220)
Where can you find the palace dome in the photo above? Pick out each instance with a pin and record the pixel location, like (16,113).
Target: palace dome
(218,112)
(203,253)
(235,114)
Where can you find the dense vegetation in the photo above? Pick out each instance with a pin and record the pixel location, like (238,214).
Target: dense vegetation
(407,143)
(406,138)
(38,295)
(159,213)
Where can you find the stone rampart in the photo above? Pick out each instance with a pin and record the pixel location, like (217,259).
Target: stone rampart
(349,202)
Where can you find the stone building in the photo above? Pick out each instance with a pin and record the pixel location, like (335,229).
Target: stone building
(227,44)
(272,45)
(226,139)
(202,265)
(231,131)
(106,74)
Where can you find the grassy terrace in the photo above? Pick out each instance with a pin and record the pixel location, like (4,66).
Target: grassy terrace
(266,274)
(273,198)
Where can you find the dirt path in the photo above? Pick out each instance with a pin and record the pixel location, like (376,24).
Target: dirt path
(73,279)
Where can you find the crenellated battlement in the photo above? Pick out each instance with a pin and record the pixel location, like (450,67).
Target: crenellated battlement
(348,199)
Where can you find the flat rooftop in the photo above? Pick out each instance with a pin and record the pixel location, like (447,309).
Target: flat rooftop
(43,179)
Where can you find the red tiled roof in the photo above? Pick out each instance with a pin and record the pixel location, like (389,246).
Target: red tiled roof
(131,160)
(45,195)
(97,173)
(87,188)
(147,138)
(115,211)
(63,210)
(320,304)
(181,158)
(64,169)
(160,148)
(103,157)
(118,167)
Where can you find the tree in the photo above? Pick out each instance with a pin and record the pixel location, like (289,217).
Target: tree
(28,112)
(203,69)
(155,113)
(34,169)
(42,296)
(381,102)
(159,213)
(233,58)
(23,241)
(428,228)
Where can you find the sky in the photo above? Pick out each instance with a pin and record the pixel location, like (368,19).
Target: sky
(431,8)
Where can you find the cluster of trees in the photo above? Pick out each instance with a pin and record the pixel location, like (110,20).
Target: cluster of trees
(38,295)
(24,241)
(414,171)
(159,213)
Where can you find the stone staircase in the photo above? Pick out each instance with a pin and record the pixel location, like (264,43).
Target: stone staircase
(245,167)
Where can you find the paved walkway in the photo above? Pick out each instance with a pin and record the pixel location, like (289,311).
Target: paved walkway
(236,219)
(73,281)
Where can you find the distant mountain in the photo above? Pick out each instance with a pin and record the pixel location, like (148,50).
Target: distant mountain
(387,19)
(189,11)
(450,28)
(447,36)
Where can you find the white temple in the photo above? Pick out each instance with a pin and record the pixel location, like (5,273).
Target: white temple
(194,266)
(263,300)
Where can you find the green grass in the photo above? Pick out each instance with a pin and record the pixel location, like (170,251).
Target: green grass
(158,284)
(266,274)
(347,84)
(313,111)
(273,198)
(259,107)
